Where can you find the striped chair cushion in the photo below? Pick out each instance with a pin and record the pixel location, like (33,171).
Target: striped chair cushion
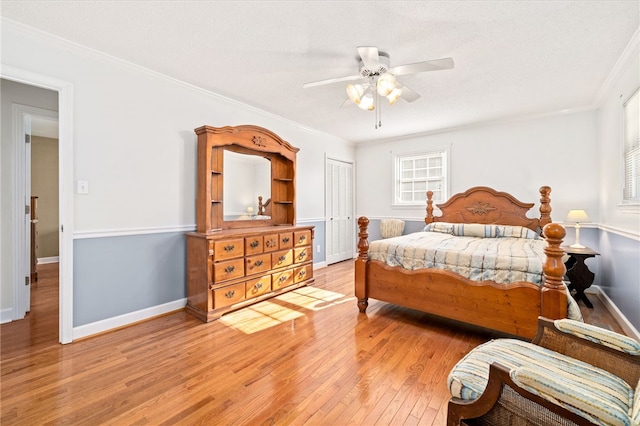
(635,412)
(599,335)
(603,397)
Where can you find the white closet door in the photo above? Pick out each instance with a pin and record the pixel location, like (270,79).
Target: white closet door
(339,211)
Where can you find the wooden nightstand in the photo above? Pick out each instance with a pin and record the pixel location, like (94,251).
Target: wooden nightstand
(578,273)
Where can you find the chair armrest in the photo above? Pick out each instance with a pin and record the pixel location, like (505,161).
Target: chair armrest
(587,348)
(501,397)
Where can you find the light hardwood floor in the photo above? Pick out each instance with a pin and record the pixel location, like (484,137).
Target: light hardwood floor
(306,357)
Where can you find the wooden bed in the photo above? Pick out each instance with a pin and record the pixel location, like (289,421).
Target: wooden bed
(510,308)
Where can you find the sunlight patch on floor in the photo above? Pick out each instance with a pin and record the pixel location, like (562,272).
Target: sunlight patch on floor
(314,298)
(259,317)
(270,313)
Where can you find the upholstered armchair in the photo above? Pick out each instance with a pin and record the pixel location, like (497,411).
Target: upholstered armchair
(572,373)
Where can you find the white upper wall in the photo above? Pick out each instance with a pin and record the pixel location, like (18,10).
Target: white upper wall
(134,141)
(516,157)
(624,81)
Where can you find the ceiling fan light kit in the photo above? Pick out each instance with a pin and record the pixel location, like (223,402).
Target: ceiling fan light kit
(380,80)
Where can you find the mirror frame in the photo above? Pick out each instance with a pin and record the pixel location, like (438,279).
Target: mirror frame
(246,139)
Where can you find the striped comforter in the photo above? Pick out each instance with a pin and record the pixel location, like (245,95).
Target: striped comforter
(502,260)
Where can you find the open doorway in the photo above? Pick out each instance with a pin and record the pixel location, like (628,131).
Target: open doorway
(31,101)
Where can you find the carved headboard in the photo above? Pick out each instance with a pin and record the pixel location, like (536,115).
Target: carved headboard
(485,205)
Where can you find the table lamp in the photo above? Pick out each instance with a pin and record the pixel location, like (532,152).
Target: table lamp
(250,211)
(577,217)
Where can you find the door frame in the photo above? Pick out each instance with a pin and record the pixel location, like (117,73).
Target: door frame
(65,188)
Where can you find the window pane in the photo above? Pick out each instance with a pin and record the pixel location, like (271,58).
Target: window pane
(416,174)
(632,149)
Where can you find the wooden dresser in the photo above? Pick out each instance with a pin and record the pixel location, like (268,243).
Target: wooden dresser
(231,269)
(236,259)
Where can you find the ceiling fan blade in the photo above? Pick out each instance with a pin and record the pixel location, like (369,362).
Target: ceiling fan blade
(408,94)
(370,57)
(433,65)
(331,81)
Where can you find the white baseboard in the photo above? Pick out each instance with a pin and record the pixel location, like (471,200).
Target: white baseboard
(319,265)
(624,323)
(52,259)
(6,315)
(127,319)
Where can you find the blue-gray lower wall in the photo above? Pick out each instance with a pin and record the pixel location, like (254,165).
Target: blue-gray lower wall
(119,275)
(620,273)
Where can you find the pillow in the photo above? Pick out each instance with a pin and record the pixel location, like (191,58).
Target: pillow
(443,227)
(477,230)
(514,231)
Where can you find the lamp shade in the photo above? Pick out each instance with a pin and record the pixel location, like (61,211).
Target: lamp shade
(355,91)
(386,84)
(577,216)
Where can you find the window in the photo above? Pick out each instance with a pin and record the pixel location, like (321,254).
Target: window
(632,150)
(415,174)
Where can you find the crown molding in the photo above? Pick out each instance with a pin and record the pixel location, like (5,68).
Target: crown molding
(483,123)
(623,62)
(88,52)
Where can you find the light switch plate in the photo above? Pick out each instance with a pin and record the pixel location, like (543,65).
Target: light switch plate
(83,187)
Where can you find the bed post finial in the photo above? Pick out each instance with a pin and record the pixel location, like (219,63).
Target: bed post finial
(553,297)
(429,218)
(361,265)
(545,206)
(363,235)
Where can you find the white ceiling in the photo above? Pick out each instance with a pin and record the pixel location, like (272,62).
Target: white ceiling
(512,58)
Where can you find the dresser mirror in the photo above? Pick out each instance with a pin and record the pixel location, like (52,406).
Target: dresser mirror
(246,186)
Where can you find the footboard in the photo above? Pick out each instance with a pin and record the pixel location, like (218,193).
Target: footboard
(512,308)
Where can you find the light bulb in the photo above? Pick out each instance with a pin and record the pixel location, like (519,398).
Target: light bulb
(386,84)
(355,91)
(366,102)
(394,95)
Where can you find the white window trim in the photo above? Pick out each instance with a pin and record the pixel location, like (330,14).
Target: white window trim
(426,152)
(626,206)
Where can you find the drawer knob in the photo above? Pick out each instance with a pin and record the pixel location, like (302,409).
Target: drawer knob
(302,273)
(283,278)
(258,286)
(282,258)
(229,269)
(254,244)
(302,254)
(229,248)
(230,294)
(302,238)
(285,240)
(259,262)
(270,243)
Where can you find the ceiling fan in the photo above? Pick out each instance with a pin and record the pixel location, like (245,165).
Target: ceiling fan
(376,78)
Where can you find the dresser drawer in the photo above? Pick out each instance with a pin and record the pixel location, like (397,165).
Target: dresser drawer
(257,264)
(286,240)
(281,258)
(302,254)
(228,249)
(271,242)
(302,238)
(228,270)
(303,273)
(253,245)
(282,279)
(229,295)
(258,286)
